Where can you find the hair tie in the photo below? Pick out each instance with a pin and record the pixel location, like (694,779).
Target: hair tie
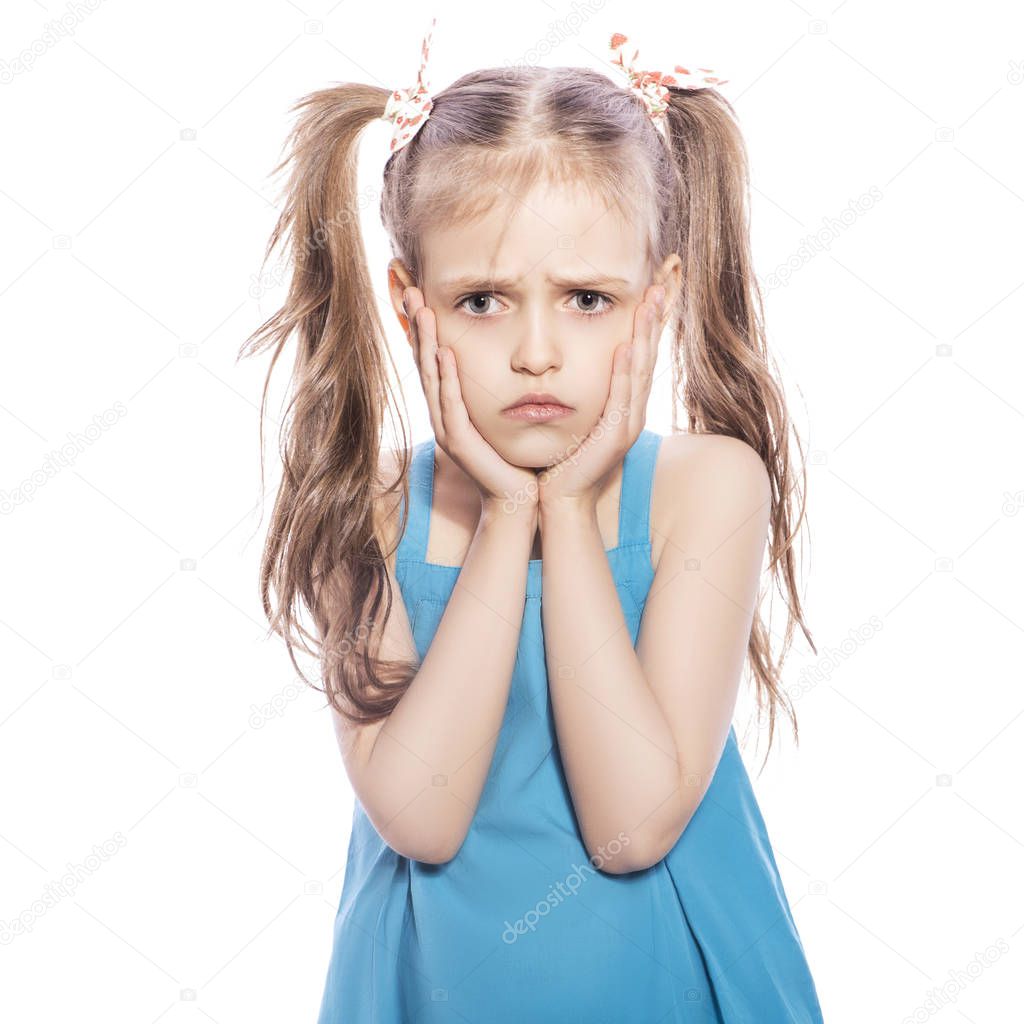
(652,86)
(409,109)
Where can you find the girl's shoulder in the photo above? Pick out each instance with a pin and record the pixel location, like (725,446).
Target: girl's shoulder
(686,450)
(695,470)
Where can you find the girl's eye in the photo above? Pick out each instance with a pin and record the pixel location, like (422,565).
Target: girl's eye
(475,298)
(594,297)
(478,303)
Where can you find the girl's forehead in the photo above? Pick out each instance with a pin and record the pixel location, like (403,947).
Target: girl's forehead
(552,229)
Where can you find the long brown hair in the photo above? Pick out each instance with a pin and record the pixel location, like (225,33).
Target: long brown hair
(491,135)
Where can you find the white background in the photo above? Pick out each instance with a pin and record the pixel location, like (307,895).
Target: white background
(135,656)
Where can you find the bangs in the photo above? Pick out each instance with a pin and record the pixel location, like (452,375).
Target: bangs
(475,181)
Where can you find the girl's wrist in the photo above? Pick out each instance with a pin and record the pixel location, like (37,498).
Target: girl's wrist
(581,508)
(506,513)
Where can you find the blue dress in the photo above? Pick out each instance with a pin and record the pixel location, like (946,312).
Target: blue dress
(520,927)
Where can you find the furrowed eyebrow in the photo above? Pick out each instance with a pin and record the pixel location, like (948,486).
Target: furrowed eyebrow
(475,283)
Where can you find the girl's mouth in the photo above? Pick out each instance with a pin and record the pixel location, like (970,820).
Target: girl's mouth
(537,412)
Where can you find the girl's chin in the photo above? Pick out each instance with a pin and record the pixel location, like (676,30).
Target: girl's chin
(536,447)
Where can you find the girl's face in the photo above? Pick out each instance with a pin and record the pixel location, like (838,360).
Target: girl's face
(568,274)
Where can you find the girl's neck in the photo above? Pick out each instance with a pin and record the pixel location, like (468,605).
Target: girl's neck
(457,494)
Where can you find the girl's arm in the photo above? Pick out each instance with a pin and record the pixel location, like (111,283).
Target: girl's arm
(419,773)
(641,732)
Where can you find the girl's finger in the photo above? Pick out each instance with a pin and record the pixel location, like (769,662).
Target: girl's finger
(657,327)
(618,409)
(616,417)
(652,344)
(413,304)
(640,375)
(453,409)
(435,375)
(424,329)
(649,339)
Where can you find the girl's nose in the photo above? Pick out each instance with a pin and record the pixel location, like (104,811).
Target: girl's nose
(537,348)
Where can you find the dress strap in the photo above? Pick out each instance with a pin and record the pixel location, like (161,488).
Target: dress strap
(637,484)
(413,545)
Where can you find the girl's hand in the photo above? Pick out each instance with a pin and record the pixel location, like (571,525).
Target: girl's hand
(510,488)
(578,477)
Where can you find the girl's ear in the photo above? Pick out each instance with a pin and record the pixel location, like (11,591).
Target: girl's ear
(399,279)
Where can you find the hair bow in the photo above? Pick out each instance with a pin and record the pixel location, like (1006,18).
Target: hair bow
(409,108)
(652,86)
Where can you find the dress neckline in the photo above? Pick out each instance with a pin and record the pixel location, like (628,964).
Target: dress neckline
(634,532)
(534,564)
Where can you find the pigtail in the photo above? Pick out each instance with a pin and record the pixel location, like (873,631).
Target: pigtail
(720,359)
(322,549)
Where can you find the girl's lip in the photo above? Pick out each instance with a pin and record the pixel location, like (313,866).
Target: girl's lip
(538,412)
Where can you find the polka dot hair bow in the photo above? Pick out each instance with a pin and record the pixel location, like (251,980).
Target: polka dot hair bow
(652,86)
(408,109)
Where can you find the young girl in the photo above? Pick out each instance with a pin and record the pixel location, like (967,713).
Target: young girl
(552,818)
